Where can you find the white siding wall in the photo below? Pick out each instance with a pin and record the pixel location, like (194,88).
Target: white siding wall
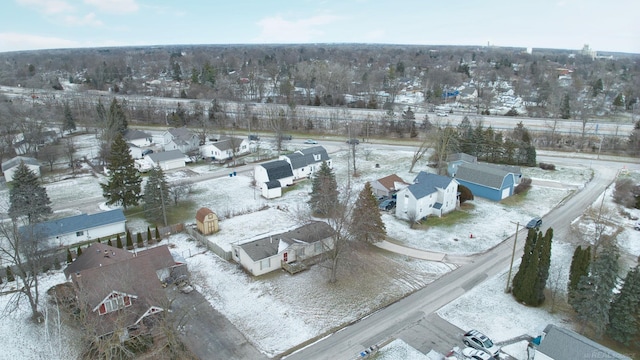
(89,234)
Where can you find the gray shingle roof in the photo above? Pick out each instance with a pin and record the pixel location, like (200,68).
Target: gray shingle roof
(559,343)
(427,183)
(166,156)
(133,134)
(16,161)
(483,174)
(75,223)
(305,157)
(278,169)
(462,157)
(268,246)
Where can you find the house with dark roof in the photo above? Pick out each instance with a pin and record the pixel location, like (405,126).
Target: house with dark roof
(138,138)
(563,344)
(388,185)
(271,176)
(74,229)
(120,291)
(224,148)
(166,160)
(276,251)
(180,139)
(306,161)
(487,180)
(454,160)
(429,195)
(10,166)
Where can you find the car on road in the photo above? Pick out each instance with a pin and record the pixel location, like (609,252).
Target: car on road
(478,340)
(310,141)
(353,141)
(387,205)
(475,354)
(534,223)
(637,226)
(442,114)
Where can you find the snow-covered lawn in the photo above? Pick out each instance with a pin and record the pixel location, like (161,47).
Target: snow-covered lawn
(279,311)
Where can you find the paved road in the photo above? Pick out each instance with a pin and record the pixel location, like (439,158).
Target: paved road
(406,318)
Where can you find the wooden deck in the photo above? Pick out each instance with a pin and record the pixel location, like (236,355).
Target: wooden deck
(293,267)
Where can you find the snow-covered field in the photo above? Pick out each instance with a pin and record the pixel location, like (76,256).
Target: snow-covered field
(279,311)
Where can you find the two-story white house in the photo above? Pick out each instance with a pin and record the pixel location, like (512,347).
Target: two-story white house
(180,139)
(306,161)
(429,195)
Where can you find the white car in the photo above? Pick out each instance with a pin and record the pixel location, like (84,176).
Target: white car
(310,141)
(478,340)
(441,114)
(475,354)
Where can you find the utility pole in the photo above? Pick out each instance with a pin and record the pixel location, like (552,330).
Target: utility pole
(513,254)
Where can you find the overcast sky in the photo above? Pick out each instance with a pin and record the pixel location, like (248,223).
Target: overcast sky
(561,24)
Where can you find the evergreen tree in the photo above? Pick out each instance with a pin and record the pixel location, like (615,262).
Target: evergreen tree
(324,191)
(78,251)
(109,242)
(633,144)
(69,256)
(9,273)
(565,107)
(624,313)
(366,221)
(148,234)
(118,242)
(116,118)
(544,262)
(157,234)
(69,123)
(531,279)
(129,240)
(592,300)
(123,187)
(102,113)
(579,268)
(139,240)
(27,197)
(156,190)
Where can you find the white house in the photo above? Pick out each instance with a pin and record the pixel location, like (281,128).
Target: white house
(430,194)
(79,228)
(138,138)
(10,166)
(274,252)
(180,139)
(271,175)
(558,344)
(166,160)
(223,149)
(306,161)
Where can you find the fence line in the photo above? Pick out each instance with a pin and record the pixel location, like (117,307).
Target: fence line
(211,246)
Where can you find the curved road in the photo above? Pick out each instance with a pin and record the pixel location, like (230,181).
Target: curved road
(391,321)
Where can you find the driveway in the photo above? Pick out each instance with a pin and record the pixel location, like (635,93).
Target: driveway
(206,332)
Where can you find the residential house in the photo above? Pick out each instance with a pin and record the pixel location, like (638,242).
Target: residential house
(28,143)
(271,176)
(276,251)
(306,161)
(119,291)
(74,229)
(135,151)
(559,344)
(10,166)
(138,138)
(166,160)
(388,185)
(430,194)
(180,139)
(225,148)
(454,160)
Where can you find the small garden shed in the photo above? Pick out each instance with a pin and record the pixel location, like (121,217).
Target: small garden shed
(207,221)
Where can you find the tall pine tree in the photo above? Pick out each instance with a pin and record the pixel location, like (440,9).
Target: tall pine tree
(324,191)
(123,187)
(156,191)
(579,268)
(625,309)
(592,300)
(69,123)
(531,278)
(366,222)
(27,197)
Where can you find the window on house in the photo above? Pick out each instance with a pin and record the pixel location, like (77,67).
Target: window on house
(316,157)
(79,233)
(265,263)
(113,305)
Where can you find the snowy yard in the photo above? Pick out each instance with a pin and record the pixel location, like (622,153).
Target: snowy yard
(279,311)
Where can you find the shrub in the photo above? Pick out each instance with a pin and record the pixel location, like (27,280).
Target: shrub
(545,166)
(525,184)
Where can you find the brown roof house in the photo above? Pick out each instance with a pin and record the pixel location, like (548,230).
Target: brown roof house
(207,221)
(388,185)
(118,291)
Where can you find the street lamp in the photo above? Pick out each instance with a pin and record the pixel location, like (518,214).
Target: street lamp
(513,254)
